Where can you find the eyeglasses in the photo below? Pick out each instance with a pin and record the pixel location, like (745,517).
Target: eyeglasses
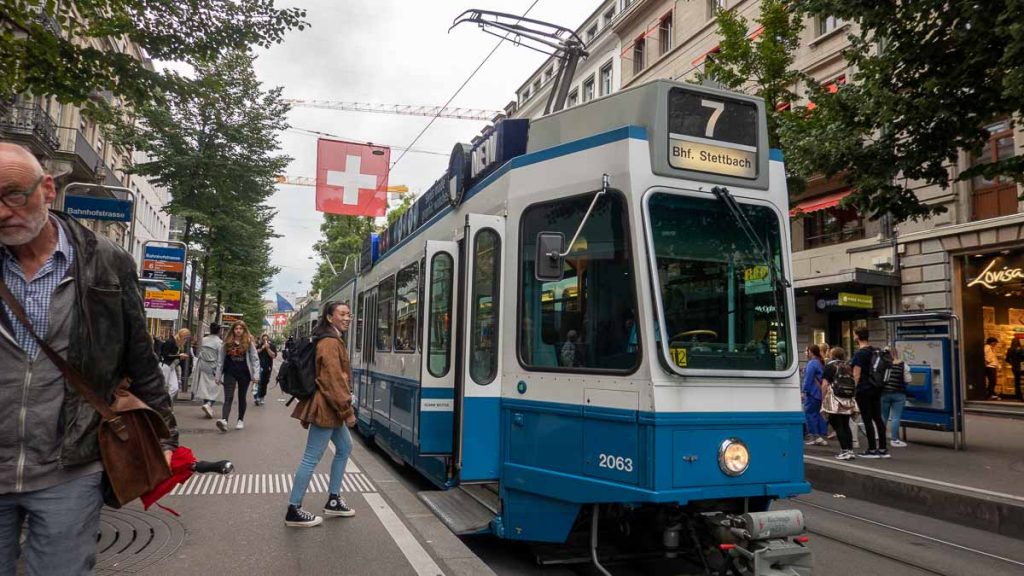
(18,198)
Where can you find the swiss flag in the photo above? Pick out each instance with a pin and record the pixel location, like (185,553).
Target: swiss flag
(351,179)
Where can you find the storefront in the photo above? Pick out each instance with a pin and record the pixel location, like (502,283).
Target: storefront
(992,306)
(832,312)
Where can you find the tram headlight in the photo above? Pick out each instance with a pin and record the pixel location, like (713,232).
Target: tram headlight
(733,457)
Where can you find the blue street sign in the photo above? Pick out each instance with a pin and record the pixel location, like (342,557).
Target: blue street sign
(92,208)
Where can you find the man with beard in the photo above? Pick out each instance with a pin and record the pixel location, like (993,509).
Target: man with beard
(81,294)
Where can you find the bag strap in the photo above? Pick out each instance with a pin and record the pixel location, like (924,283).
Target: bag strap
(70,373)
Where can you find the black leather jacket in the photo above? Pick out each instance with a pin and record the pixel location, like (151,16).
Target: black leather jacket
(109,341)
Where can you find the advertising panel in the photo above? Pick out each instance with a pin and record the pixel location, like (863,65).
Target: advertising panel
(164,264)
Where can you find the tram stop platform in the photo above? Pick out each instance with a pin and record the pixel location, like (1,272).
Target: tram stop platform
(234,524)
(981,487)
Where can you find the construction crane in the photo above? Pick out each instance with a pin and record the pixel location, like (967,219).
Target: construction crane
(309,181)
(401,109)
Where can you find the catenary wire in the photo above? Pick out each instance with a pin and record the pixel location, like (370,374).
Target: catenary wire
(457,92)
(328,135)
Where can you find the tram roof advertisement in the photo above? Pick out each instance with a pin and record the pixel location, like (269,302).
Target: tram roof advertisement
(165,264)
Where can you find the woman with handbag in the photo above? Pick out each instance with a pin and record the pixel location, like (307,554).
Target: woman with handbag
(328,415)
(173,351)
(237,367)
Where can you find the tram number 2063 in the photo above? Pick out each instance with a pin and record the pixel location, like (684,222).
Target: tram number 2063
(615,462)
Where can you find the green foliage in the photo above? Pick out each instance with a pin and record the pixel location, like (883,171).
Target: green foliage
(38,55)
(396,212)
(341,240)
(945,70)
(215,149)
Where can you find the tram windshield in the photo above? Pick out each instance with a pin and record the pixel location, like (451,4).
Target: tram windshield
(723,308)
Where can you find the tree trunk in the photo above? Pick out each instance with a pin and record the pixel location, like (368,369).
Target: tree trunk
(202,296)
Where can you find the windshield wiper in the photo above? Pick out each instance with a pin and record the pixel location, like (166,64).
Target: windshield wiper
(726,197)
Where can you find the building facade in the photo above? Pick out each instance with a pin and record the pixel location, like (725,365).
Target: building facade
(849,268)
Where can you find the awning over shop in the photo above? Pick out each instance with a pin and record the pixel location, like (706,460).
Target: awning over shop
(847,279)
(820,202)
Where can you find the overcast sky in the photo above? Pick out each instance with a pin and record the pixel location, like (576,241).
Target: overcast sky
(387,52)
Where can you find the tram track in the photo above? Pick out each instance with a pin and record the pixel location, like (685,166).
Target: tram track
(896,529)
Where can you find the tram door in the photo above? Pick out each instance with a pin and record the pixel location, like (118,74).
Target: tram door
(436,424)
(478,364)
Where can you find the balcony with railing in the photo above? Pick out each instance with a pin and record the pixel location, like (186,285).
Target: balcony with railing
(30,125)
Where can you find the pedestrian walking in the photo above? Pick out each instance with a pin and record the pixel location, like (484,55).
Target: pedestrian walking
(837,406)
(894,396)
(204,374)
(81,295)
(237,367)
(1015,358)
(267,352)
(991,367)
(173,351)
(817,428)
(328,415)
(869,394)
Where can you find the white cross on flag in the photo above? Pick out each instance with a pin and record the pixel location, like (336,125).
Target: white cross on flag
(351,179)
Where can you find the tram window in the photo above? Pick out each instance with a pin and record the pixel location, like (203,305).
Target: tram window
(439,341)
(483,366)
(406,301)
(360,314)
(423,304)
(721,309)
(586,321)
(385,313)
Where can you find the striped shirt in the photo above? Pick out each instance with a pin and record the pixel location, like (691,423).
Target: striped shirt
(35,295)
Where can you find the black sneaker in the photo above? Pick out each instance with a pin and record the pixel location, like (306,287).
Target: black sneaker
(336,507)
(883,453)
(869,454)
(299,518)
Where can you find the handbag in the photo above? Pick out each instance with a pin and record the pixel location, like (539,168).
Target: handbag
(129,433)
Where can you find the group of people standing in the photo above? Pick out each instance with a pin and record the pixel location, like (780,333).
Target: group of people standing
(835,391)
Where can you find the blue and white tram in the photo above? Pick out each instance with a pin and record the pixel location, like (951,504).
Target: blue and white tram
(588,316)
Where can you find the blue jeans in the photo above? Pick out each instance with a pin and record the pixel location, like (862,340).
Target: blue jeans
(316,443)
(892,403)
(63,523)
(816,425)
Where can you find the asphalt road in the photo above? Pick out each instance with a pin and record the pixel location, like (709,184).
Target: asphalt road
(235,525)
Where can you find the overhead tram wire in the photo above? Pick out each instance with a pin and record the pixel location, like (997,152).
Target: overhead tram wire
(457,92)
(325,134)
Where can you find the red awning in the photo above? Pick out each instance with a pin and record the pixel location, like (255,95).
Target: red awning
(820,202)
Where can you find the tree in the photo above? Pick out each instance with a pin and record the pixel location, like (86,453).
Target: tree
(41,52)
(215,150)
(930,75)
(342,241)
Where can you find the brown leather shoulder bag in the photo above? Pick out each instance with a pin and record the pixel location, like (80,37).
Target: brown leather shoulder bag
(129,433)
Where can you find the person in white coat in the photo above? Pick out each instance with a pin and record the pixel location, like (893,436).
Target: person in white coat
(237,367)
(203,373)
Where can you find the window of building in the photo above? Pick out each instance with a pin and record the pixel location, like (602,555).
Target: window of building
(588,89)
(665,34)
(483,305)
(536,86)
(827,24)
(606,79)
(832,226)
(638,55)
(591,33)
(609,16)
(997,196)
(439,343)
(713,6)
(525,95)
(549,73)
(405,308)
(574,99)
(360,314)
(586,319)
(385,313)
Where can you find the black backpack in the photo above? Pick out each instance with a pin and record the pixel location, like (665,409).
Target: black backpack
(881,365)
(843,385)
(297,375)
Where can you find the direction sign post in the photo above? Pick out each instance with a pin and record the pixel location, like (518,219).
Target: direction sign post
(163,263)
(91,207)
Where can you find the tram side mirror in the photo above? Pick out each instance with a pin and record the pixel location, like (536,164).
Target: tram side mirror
(550,246)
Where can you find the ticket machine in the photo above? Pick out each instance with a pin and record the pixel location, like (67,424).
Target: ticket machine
(928,342)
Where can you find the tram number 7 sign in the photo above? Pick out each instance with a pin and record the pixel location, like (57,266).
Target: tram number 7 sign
(712,135)
(351,178)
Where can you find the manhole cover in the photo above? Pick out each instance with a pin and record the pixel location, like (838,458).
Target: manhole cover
(132,540)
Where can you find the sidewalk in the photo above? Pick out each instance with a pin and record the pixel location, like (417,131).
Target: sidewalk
(982,486)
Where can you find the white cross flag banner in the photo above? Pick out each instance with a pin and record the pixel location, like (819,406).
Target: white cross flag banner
(351,178)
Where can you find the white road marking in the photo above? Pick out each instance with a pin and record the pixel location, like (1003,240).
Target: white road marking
(421,562)
(916,479)
(215,485)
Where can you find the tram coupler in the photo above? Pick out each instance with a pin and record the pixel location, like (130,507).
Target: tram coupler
(763,543)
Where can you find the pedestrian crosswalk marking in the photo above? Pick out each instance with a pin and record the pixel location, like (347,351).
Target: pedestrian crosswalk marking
(215,485)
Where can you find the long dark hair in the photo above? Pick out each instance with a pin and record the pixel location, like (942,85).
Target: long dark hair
(815,351)
(323,326)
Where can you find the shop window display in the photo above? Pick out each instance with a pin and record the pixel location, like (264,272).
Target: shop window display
(992,307)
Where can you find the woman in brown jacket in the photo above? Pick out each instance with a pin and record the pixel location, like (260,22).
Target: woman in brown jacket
(328,415)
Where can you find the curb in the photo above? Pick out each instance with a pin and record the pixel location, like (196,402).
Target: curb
(990,511)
